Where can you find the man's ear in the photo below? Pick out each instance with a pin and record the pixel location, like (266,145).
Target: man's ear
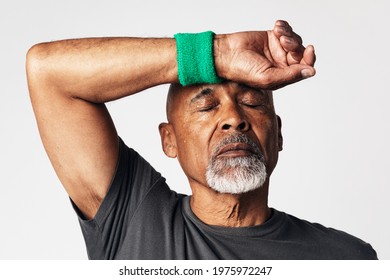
(280,137)
(168,139)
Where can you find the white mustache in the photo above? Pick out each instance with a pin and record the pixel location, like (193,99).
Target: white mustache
(237,138)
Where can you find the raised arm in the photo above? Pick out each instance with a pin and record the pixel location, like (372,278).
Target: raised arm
(69,82)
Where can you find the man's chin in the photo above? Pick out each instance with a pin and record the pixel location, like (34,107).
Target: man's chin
(236,175)
(223,185)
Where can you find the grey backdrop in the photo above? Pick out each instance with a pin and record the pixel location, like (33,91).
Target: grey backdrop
(334,167)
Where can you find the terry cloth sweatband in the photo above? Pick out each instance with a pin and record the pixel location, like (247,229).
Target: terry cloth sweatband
(195,58)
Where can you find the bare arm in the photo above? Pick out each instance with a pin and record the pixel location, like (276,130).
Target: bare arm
(69,82)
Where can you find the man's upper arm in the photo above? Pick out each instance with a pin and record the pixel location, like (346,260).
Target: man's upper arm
(79,137)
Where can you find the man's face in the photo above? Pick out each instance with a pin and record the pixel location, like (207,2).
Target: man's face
(216,127)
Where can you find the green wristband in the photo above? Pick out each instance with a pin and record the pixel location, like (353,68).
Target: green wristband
(195,58)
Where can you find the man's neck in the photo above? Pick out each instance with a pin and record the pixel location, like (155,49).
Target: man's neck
(230,210)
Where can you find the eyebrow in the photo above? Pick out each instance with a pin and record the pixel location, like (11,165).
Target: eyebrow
(204,92)
(246,88)
(260,93)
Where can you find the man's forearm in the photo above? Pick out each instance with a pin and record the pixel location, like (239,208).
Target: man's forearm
(102,69)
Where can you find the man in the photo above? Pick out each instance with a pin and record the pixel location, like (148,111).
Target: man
(225,135)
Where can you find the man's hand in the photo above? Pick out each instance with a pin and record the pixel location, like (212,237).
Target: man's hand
(264,59)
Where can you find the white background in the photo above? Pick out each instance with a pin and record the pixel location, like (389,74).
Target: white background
(334,167)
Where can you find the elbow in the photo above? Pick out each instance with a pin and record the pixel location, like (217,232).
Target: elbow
(37,68)
(34,62)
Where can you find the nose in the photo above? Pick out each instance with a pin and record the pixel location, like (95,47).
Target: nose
(233,119)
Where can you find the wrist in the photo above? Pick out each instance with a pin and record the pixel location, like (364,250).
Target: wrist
(195,58)
(220,50)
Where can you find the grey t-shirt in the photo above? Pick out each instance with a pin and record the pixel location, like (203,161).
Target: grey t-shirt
(141,218)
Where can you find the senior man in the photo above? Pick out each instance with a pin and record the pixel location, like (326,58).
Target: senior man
(222,128)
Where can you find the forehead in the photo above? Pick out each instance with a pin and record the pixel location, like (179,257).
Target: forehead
(190,94)
(234,90)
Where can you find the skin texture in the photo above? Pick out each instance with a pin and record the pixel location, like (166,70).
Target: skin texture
(71,80)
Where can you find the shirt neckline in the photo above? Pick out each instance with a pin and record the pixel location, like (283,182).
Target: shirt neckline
(275,221)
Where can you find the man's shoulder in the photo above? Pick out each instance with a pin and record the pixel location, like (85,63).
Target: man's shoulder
(328,240)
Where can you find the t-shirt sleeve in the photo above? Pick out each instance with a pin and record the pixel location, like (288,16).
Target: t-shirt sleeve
(133,179)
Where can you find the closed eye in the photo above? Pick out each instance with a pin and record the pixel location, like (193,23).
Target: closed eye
(208,108)
(254,105)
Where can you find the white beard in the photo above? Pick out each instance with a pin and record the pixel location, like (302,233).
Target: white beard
(236,175)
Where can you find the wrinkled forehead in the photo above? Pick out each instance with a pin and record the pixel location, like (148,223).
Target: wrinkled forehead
(179,97)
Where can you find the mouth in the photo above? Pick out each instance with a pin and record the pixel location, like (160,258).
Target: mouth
(235,150)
